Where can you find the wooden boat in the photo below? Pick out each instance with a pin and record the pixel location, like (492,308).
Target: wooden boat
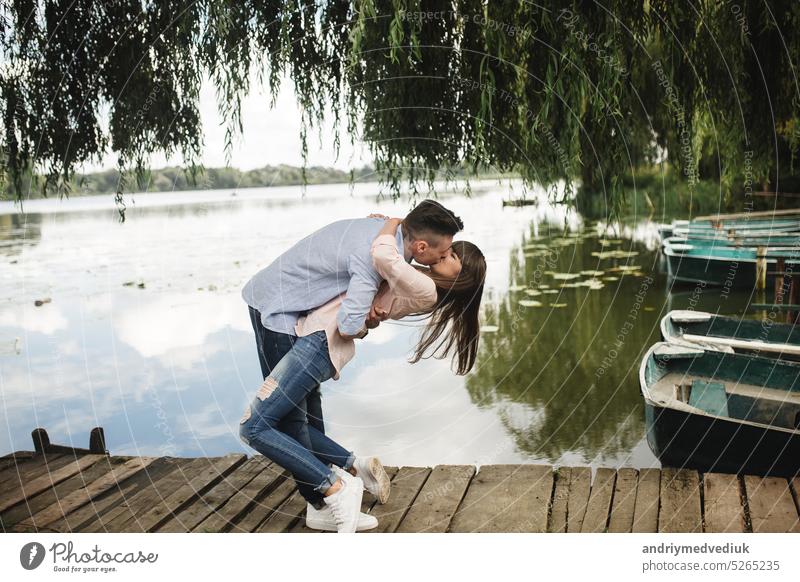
(712,263)
(732,334)
(721,412)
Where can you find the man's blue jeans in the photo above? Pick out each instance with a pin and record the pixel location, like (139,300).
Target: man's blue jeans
(284,420)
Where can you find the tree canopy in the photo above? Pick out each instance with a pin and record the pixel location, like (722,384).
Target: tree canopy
(579,91)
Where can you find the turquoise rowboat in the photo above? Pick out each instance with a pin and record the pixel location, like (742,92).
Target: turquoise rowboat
(732,334)
(720,412)
(712,263)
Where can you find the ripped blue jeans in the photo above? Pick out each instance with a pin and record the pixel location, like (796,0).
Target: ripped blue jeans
(275,423)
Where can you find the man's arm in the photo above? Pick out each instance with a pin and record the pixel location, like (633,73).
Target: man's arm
(352,316)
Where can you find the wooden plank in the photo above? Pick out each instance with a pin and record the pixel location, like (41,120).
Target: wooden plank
(506,498)
(406,485)
(722,502)
(558,511)
(772,508)
(212,500)
(680,501)
(117,498)
(19,455)
(367,503)
(82,496)
(262,510)
(283,518)
(23,511)
(18,494)
(645,513)
(623,509)
(599,505)
(33,469)
(213,472)
(14,460)
(124,514)
(438,499)
(238,506)
(580,482)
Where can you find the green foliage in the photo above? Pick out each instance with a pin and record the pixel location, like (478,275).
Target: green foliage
(572,91)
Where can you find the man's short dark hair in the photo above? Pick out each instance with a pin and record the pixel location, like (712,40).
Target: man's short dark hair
(431,218)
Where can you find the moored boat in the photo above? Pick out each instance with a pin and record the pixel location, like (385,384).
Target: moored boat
(721,412)
(732,334)
(717,264)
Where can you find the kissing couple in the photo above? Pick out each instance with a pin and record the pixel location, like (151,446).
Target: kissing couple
(307,309)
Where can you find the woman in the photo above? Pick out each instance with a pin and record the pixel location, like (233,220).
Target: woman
(275,424)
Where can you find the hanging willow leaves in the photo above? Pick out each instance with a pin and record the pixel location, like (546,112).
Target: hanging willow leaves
(575,93)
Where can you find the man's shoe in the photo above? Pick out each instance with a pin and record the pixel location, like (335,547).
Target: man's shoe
(374,476)
(345,505)
(322,519)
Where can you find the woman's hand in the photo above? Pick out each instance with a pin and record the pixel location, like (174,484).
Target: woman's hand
(376,215)
(390,226)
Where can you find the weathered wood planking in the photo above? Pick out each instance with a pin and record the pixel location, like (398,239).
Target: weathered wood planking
(406,485)
(118,497)
(724,511)
(21,516)
(166,509)
(599,505)
(506,498)
(97,493)
(84,495)
(263,509)
(440,498)
(680,501)
(32,469)
(580,483)
(137,502)
(241,504)
(558,508)
(209,502)
(623,509)
(772,508)
(648,491)
(23,491)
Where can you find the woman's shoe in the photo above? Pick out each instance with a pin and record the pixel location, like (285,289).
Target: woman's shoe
(322,519)
(374,476)
(345,504)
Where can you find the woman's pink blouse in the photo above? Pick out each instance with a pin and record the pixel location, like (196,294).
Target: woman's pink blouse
(407,291)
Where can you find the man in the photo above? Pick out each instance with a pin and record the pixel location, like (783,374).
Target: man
(334,260)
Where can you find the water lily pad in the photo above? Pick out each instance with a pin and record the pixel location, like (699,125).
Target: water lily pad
(610,278)
(626,268)
(592,273)
(550,291)
(489,329)
(615,254)
(529,303)
(532,292)
(566,276)
(516,287)
(558,304)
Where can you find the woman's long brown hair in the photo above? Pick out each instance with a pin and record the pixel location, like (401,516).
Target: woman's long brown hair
(457,307)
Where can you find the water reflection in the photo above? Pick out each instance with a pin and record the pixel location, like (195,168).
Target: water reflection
(561,369)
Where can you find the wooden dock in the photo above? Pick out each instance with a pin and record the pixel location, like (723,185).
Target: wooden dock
(71,492)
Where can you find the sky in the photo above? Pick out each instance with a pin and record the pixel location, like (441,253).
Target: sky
(271,137)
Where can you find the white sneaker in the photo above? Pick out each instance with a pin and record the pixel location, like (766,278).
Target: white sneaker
(322,519)
(345,504)
(376,481)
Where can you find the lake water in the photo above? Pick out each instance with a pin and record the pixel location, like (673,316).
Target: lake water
(146,333)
